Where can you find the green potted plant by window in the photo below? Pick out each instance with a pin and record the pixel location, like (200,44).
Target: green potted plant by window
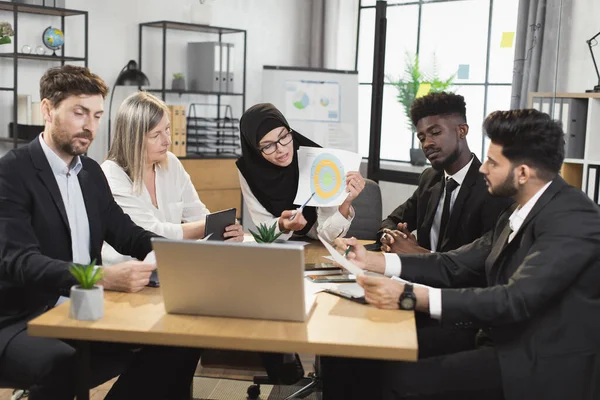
(408,85)
(178,81)
(87,298)
(265,233)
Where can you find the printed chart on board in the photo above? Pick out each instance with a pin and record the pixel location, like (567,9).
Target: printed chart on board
(312,101)
(323,172)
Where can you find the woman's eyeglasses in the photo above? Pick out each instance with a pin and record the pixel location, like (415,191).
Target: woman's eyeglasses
(272,147)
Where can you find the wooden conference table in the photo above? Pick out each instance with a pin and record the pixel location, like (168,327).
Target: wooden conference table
(336,327)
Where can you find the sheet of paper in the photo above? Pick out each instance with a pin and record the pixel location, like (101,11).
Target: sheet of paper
(150,258)
(323,171)
(340,259)
(507,40)
(463,71)
(314,288)
(424,89)
(351,289)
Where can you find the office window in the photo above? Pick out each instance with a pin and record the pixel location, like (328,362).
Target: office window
(469,38)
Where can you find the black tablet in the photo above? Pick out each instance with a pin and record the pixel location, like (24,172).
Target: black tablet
(217,222)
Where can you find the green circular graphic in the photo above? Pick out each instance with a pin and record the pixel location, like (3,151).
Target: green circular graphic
(327,179)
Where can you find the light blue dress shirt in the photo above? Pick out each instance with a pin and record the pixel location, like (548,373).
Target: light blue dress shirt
(72,196)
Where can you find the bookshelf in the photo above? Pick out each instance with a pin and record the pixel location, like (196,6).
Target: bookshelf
(575,169)
(16,57)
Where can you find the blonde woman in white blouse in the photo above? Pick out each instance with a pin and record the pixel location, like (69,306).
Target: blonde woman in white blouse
(149,182)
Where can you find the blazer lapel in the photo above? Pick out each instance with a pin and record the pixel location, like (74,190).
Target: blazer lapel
(463,194)
(87,189)
(47,177)
(499,244)
(502,242)
(435,193)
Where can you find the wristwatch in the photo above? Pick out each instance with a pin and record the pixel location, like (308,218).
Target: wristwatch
(408,299)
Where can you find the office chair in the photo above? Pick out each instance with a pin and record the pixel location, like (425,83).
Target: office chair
(312,383)
(367,213)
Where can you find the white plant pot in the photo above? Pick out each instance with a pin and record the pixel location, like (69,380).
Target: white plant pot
(87,304)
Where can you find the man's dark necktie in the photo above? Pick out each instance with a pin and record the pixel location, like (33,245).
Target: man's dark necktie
(449,187)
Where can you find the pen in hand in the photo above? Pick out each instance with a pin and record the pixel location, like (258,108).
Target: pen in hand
(347,251)
(302,207)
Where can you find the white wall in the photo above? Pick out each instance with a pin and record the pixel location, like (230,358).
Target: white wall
(579,23)
(277,35)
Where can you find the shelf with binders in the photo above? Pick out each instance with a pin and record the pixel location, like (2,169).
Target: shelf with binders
(212,136)
(579,114)
(215,59)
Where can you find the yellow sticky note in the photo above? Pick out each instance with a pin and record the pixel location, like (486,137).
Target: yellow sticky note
(424,89)
(507,40)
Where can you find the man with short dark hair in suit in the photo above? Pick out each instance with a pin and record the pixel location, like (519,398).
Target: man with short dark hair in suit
(531,283)
(451,206)
(56,208)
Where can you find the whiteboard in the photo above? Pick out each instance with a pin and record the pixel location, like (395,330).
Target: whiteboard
(321,104)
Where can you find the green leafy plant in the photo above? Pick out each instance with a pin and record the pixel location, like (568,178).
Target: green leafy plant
(266,234)
(414,77)
(6,31)
(86,275)
(178,75)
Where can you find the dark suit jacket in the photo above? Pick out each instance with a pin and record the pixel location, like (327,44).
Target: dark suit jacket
(541,300)
(474,212)
(35,239)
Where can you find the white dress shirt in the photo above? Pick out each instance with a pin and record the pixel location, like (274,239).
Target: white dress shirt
(393,262)
(72,197)
(177,200)
(330,223)
(459,177)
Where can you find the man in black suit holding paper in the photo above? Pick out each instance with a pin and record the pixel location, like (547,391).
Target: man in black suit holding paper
(451,206)
(531,283)
(56,208)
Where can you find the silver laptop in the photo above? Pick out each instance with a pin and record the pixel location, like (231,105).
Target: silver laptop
(247,280)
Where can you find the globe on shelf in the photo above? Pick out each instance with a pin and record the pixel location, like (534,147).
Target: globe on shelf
(53,39)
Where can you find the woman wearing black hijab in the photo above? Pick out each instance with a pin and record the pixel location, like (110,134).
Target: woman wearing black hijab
(269,178)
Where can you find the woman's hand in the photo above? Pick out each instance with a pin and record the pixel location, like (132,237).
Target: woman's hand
(234,233)
(355,183)
(289,225)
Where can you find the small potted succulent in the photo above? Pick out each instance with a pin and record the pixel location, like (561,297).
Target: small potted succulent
(178,81)
(266,234)
(87,298)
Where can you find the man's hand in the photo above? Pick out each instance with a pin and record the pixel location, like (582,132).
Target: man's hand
(130,276)
(385,292)
(290,225)
(360,256)
(234,233)
(400,241)
(381,292)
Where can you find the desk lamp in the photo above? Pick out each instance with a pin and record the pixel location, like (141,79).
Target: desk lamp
(130,75)
(591,43)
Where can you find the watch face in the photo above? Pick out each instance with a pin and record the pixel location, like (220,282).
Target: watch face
(407,303)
